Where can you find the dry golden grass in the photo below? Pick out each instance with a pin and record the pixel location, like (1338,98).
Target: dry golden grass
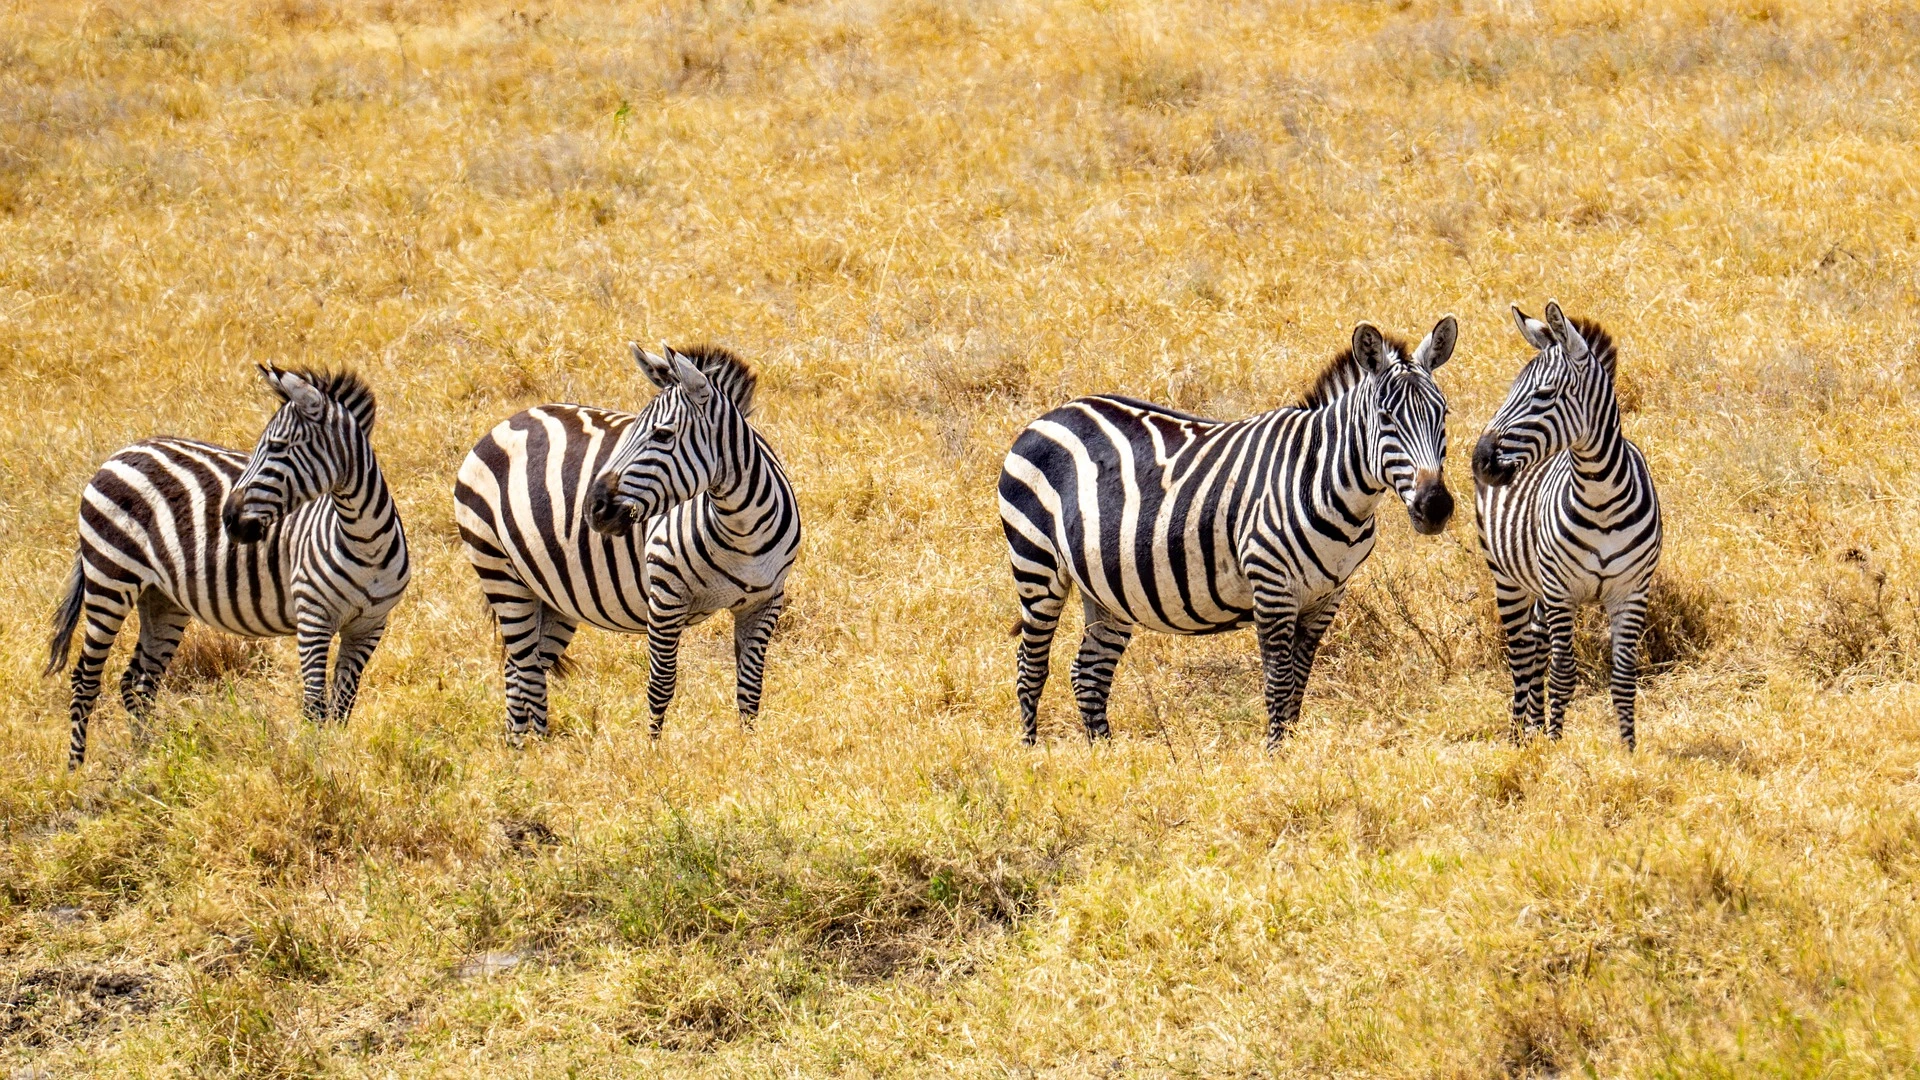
(926,222)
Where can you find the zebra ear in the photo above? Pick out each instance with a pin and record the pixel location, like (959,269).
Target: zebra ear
(1369,347)
(1532,329)
(301,393)
(1438,345)
(658,369)
(691,379)
(1564,332)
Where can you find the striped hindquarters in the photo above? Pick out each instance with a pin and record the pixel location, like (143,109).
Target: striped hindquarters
(519,504)
(1135,504)
(151,518)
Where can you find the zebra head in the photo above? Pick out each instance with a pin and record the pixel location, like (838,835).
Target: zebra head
(1412,419)
(304,452)
(669,453)
(1554,403)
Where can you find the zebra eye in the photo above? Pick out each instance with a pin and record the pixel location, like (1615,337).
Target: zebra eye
(1546,393)
(663,436)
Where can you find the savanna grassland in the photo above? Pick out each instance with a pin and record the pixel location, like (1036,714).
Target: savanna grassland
(926,223)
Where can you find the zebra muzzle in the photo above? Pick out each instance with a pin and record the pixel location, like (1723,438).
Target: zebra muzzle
(243,528)
(1431,508)
(607,512)
(1490,466)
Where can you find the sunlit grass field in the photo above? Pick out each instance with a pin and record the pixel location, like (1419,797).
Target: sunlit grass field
(925,223)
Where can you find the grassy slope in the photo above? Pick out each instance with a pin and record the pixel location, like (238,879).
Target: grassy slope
(926,223)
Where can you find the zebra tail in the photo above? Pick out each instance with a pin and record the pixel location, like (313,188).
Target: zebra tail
(65,619)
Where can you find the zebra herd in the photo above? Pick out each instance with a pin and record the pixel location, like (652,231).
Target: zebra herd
(652,522)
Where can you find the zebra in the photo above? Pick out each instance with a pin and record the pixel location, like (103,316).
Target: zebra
(301,537)
(1187,525)
(1567,515)
(550,505)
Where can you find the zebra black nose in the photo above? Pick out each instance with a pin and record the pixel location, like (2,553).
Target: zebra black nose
(605,513)
(1432,509)
(243,530)
(1487,466)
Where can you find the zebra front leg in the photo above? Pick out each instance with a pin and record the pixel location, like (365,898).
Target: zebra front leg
(1039,618)
(663,661)
(522,619)
(1561,671)
(1308,632)
(1629,625)
(312,640)
(356,648)
(752,629)
(1278,629)
(102,614)
(162,624)
(1101,647)
(1526,656)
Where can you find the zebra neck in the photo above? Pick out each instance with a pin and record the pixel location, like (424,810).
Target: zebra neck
(1600,467)
(1352,431)
(742,495)
(363,506)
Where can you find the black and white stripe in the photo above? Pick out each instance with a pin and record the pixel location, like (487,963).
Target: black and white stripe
(1192,526)
(551,504)
(301,537)
(1567,515)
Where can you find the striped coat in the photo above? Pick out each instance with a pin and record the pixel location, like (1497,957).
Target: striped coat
(1185,525)
(1567,515)
(299,538)
(645,523)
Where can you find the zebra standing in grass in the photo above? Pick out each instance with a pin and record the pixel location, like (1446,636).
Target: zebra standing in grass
(301,538)
(548,503)
(1567,515)
(1192,526)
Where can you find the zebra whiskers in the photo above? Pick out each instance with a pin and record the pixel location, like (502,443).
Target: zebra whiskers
(299,538)
(1186,525)
(637,524)
(1567,515)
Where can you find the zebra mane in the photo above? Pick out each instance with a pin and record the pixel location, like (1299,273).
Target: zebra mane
(1598,340)
(1343,372)
(728,373)
(344,388)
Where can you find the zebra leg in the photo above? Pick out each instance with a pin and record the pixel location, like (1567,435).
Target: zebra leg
(103,612)
(663,664)
(522,620)
(1629,623)
(1101,646)
(1306,645)
(1278,629)
(356,648)
(312,640)
(752,629)
(162,624)
(1525,655)
(1561,670)
(1039,617)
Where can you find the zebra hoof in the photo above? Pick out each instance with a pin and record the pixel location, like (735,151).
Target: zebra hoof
(517,739)
(746,722)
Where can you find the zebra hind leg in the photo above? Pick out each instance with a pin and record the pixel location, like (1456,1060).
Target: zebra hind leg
(162,624)
(556,633)
(1040,606)
(1629,625)
(102,612)
(1101,646)
(521,618)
